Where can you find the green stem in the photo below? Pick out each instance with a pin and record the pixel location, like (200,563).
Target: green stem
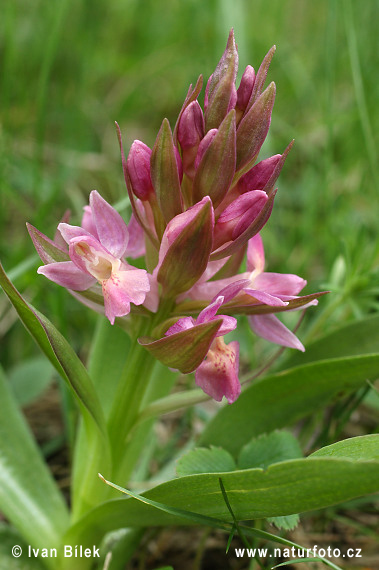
(128,399)
(130,395)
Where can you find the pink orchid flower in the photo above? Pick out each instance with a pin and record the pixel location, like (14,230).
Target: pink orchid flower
(272,289)
(96,256)
(217,375)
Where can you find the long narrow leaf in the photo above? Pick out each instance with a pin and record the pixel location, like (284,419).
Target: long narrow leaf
(58,351)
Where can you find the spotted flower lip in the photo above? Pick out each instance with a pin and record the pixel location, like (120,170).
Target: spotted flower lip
(96,256)
(217,375)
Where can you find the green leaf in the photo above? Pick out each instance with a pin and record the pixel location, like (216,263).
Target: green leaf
(58,351)
(288,522)
(353,339)
(29,497)
(282,399)
(30,378)
(360,448)
(203,460)
(284,488)
(264,451)
(269,448)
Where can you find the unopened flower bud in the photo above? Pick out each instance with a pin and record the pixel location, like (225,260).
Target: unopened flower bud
(221,93)
(138,168)
(238,216)
(253,129)
(257,177)
(217,167)
(191,126)
(204,145)
(244,91)
(166,173)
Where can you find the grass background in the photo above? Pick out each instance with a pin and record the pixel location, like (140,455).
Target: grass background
(69,69)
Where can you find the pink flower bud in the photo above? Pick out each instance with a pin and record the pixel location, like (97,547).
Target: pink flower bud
(259,175)
(191,126)
(245,89)
(185,248)
(238,216)
(217,167)
(204,145)
(253,129)
(138,167)
(221,94)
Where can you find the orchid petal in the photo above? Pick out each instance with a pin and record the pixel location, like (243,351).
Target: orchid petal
(181,325)
(279,283)
(272,329)
(67,274)
(210,311)
(110,226)
(84,246)
(217,376)
(68,232)
(88,222)
(136,243)
(255,254)
(123,288)
(265,298)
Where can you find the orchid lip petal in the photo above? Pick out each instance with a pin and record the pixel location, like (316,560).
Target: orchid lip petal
(217,376)
(121,289)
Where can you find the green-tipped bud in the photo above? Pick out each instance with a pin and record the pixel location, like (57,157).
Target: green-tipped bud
(165,173)
(261,76)
(221,93)
(185,249)
(217,167)
(253,129)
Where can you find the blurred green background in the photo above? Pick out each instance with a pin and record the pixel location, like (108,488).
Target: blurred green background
(70,68)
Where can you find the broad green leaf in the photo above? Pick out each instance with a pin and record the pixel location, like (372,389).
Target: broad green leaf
(282,399)
(284,488)
(203,460)
(360,448)
(29,497)
(269,448)
(265,450)
(30,378)
(353,339)
(57,350)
